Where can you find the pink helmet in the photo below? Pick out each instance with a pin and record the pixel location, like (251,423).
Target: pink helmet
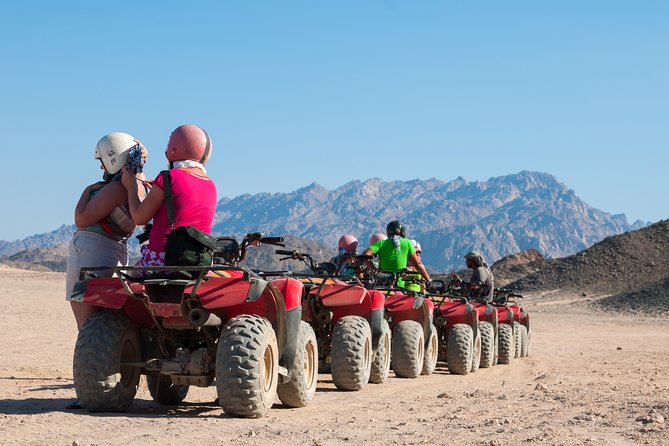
(348,242)
(188,142)
(376,237)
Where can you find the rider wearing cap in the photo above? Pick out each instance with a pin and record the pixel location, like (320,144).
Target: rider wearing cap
(396,251)
(481,274)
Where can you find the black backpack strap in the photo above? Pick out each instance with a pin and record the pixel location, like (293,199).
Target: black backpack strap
(207,147)
(169,196)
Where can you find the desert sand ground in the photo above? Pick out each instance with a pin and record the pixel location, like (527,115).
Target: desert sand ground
(589,378)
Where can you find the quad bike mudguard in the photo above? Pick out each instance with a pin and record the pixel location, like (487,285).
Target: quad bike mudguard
(486,312)
(402,307)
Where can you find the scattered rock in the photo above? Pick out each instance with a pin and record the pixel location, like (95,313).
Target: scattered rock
(75,443)
(619,348)
(443,395)
(252,433)
(541,387)
(653,417)
(584,417)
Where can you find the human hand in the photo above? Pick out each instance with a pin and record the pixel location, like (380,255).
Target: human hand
(455,276)
(128,179)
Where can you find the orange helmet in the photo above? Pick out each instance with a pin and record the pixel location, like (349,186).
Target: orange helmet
(189,142)
(348,242)
(376,237)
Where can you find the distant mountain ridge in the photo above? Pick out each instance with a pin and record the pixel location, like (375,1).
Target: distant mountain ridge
(500,216)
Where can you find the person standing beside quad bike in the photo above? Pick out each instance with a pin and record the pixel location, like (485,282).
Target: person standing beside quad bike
(396,251)
(183,196)
(102,217)
(482,283)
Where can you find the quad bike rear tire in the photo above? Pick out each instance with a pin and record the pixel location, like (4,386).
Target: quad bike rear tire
(460,350)
(351,353)
(304,372)
(381,363)
(506,344)
(102,383)
(431,352)
(408,349)
(524,337)
(247,366)
(519,340)
(164,391)
(476,352)
(487,344)
(528,350)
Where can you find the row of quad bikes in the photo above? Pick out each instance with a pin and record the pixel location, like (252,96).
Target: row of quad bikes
(259,335)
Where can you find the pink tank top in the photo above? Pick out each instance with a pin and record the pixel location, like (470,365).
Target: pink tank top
(194,205)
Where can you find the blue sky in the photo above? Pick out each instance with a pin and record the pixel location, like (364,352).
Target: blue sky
(295,92)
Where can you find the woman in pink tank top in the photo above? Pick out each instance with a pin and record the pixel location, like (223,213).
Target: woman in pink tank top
(188,150)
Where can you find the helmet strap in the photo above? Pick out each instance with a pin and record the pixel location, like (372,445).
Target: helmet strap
(207,147)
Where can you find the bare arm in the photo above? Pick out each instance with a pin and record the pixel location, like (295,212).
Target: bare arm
(141,211)
(419,266)
(91,210)
(368,252)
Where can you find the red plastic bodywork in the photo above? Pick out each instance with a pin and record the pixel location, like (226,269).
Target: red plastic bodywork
(455,312)
(345,299)
(486,312)
(401,308)
(224,296)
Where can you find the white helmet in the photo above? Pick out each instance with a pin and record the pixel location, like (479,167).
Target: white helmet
(113,149)
(416,245)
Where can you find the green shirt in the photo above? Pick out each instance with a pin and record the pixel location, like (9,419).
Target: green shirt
(391,258)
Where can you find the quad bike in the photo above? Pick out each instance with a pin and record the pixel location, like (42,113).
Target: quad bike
(518,321)
(410,315)
(457,323)
(488,320)
(183,326)
(353,336)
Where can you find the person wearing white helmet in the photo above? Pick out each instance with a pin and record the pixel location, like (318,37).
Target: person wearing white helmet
(193,192)
(482,277)
(101,215)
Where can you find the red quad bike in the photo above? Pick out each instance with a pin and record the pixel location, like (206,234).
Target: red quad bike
(183,326)
(457,325)
(488,322)
(515,342)
(353,336)
(415,343)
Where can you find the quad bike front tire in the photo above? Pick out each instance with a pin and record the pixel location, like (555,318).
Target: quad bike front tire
(408,349)
(525,339)
(431,352)
(460,348)
(304,373)
(487,344)
(247,366)
(102,382)
(519,340)
(164,391)
(381,363)
(506,344)
(351,353)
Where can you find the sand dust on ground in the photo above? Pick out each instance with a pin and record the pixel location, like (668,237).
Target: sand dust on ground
(592,378)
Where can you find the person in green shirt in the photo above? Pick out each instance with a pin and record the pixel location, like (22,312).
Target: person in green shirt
(395,252)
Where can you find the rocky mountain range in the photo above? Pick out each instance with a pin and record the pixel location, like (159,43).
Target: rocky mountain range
(497,217)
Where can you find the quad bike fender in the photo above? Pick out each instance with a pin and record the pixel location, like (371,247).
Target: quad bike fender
(376,324)
(339,294)
(504,315)
(222,292)
(270,305)
(292,291)
(108,292)
(378,300)
(287,359)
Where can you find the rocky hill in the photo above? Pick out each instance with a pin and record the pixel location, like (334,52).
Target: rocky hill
(632,268)
(498,217)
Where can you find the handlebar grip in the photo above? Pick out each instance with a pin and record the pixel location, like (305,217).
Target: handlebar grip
(284,252)
(271,240)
